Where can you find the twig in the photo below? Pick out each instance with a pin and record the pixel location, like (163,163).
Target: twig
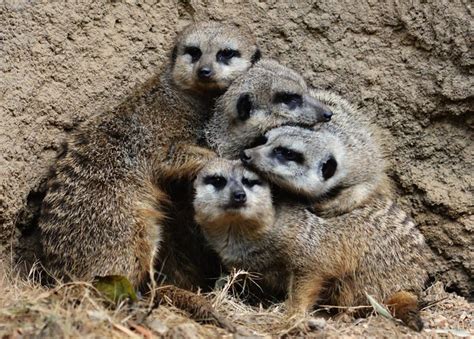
(433,303)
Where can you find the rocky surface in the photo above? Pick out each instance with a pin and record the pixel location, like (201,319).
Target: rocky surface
(410,67)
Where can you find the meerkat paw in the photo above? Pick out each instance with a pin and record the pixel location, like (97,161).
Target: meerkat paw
(304,292)
(185,160)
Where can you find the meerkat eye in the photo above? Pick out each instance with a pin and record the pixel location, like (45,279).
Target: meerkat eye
(286,154)
(244,106)
(292,100)
(194,52)
(217,181)
(224,55)
(251,182)
(329,168)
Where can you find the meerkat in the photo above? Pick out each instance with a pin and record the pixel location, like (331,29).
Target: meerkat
(375,249)
(104,207)
(268,96)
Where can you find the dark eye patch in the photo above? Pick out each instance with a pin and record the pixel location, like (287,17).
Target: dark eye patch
(292,100)
(194,52)
(286,154)
(224,55)
(329,168)
(244,106)
(258,141)
(256,56)
(251,182)
(217,181)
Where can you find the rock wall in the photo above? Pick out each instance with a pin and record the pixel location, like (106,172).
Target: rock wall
(408,66)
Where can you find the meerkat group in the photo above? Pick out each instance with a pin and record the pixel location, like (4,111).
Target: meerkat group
(335,236)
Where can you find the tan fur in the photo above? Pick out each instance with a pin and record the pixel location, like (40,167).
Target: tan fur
(404,305)
(349,119)
(105,207)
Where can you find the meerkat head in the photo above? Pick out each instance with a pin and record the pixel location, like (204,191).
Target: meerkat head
(300,160)
(227,194)
(208,56)
(267,96)
(318,164)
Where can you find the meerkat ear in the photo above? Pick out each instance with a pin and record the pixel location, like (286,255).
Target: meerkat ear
(256,56)
(244,106)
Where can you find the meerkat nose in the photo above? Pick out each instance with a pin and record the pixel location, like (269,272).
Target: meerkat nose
(239,197)
(244,157)
(327,116)
(204,73)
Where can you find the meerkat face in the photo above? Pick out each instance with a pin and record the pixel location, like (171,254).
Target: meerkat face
(208,56)
(303,161)
(226,193)
(267,96)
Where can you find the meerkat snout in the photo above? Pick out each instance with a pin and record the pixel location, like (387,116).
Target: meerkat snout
(238,197)
(205,73)
(327,116)
(226,192)
(320,108)
(244,157)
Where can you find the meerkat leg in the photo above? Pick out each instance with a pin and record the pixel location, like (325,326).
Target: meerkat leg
(303,293)
(404,306)
(149,214)
(185,160)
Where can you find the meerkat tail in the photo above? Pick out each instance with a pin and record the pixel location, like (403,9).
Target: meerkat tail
(404,306)
(199,308)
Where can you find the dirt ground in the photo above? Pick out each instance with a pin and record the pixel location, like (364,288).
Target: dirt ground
(76,310)
(408,66)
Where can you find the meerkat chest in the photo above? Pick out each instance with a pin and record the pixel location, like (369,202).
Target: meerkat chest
(242,253)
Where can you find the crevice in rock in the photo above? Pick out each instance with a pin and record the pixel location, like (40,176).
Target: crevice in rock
(27,248)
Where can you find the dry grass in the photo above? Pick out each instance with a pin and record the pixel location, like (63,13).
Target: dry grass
(77,310)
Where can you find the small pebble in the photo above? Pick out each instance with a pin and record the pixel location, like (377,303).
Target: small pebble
(157,326)
(315,324)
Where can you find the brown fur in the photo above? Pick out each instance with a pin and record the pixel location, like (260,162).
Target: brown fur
(404,306)
(105,207)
